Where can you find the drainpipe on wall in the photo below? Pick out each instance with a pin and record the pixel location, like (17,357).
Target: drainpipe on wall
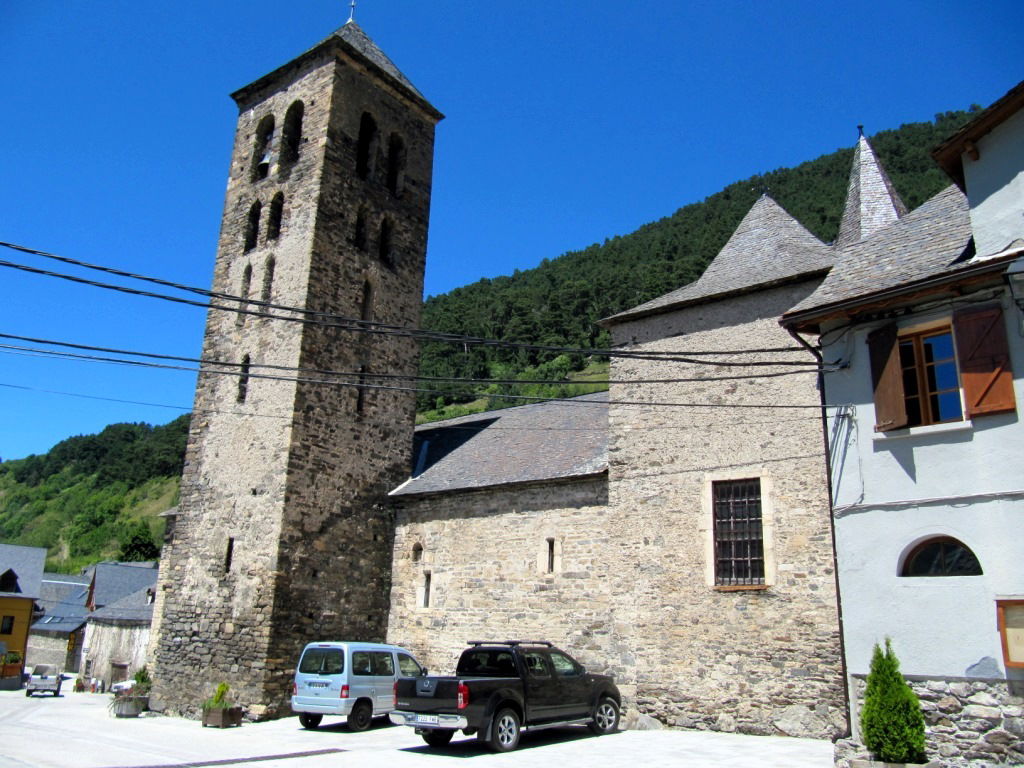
(831,525)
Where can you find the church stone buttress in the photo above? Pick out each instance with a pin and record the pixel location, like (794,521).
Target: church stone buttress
(282,534)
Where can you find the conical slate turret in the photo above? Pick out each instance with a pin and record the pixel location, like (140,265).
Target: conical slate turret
(871,199)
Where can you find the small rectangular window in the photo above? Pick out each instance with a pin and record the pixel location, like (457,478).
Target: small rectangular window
(228,554)
(931,386)
(426,589)
(1011,630)
(7,625)
(738,533)
(551,555)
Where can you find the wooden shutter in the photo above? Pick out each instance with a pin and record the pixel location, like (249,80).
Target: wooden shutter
(984,359)
(887,379)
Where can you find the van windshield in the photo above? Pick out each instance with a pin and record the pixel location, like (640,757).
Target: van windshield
(322,661)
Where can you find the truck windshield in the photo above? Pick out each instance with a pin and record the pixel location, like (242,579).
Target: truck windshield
(322,661)
(483,662)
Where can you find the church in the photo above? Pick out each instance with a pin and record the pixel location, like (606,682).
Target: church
(675,531)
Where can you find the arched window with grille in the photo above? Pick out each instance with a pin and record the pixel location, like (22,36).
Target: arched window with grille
(941,556)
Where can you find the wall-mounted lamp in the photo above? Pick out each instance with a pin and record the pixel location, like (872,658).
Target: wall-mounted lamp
(1015,279)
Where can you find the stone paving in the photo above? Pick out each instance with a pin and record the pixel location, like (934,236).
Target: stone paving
(75,730)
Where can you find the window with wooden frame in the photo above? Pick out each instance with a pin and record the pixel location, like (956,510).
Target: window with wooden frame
(1011,631)
(738,533)
(918,376)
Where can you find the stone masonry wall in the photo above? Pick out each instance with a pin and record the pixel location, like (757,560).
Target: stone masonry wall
(968,722)
(487,555)
(762,660)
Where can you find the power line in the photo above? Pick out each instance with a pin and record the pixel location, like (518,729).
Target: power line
(366,326)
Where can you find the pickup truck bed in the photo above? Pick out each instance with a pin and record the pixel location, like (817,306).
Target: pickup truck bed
(500,689)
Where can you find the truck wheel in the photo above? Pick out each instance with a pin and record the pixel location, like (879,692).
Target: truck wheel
(437,737)
(310,720)
(28,691)
(606,717)
(360,717)
(505,731)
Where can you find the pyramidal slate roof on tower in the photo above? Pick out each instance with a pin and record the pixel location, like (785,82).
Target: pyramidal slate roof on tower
(768,247)
(354,35)
(871,200)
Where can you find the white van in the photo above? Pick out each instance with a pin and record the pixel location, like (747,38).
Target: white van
(356,680)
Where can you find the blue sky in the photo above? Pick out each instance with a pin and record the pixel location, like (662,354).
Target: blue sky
(568,121)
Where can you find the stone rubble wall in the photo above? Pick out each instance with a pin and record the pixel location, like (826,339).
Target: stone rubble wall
(975,723)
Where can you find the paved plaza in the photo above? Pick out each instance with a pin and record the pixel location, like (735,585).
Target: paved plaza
(75,730)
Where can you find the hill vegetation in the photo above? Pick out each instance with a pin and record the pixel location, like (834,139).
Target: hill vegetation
(99,496)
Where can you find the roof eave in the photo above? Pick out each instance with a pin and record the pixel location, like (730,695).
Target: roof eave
(396,494)
(630,315)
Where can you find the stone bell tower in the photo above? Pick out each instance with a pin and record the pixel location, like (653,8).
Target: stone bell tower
(281,536)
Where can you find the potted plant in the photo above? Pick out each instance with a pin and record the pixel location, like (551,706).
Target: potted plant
(891,722)
(220,711)
(133,701)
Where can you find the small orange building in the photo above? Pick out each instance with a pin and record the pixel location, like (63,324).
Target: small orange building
(21,576)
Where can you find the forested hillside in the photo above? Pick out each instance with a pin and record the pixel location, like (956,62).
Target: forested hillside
(560,301)
(98,496)
(95,496)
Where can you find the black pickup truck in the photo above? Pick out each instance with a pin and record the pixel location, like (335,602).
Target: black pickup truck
(502,688)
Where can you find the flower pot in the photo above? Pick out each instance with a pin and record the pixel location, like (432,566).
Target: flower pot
(129,706)
(222,718)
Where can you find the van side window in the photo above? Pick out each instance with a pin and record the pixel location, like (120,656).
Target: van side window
(408,666)
(361,664)
(383,664)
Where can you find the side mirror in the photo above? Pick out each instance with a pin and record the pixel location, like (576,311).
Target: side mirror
(423,670)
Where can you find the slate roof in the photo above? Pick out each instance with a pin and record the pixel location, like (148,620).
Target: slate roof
(27,564)
(356,41)
(932,240)
(134,608)
(530,443)
(63,602)
(116,580)
(769,247)
(871,200)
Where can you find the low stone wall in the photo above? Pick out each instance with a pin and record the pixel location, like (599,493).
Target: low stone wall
(972,723)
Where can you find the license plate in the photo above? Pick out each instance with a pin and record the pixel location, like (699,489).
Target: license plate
(427,719)
(317,685)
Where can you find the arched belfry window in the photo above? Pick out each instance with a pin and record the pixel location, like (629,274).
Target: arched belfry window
(291,133)
(384,248)
(359,236)
(366,149)
(243,380)
(941,556)
(244,294)
(274,217)
(268,280)
(396,164)
(252,226)
(262,148)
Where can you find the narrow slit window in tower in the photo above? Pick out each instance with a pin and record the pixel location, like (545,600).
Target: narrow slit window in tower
(361,390)
(384,244)
(426,589)
(274,217)
(417,552)
(243,380)
(244,294)
(252,226)
(228,554)
(366,308)
(268,281)
(551,555)
(291,133)
(396,164)
(359,236)
(367,146)
(262,149)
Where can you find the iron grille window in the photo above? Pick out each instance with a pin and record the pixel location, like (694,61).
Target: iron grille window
(739,543)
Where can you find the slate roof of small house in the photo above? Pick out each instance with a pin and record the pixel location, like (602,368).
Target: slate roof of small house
(529,443)
(871,199)
(63,602)
(27,563)
(116,580)
(932,240)
(769,247)
(134,608)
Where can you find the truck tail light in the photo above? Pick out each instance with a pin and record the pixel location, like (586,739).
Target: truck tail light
(295,689)
(463,695)
(344,691)
(394,688)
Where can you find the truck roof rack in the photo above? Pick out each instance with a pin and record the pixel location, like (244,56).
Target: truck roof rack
(510,642)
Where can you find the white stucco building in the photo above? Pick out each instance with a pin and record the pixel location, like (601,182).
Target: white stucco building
(923,349)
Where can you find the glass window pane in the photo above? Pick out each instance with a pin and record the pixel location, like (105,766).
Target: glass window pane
(944,375)
(946,406)
(910,382)
(907,354)
(938,347)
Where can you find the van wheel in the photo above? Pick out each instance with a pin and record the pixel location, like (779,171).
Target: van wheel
(310,720)
(360,717)
(505,731)
(606,717)
(28,691)
(437,737)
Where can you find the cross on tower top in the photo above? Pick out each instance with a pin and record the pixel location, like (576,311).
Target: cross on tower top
(352,11)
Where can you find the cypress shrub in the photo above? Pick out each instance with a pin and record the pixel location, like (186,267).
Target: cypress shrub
(891,722)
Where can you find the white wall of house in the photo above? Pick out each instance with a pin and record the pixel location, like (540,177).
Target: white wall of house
(110,644)
(995,186)
(893,490)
